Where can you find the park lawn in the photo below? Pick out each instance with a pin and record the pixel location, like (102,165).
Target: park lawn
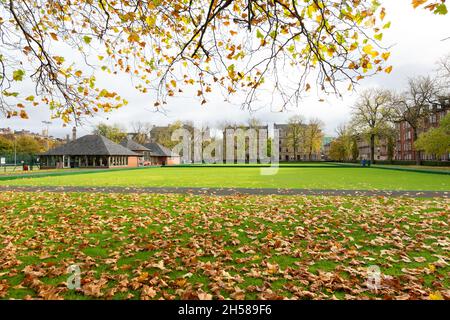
(302,178)
(131,246)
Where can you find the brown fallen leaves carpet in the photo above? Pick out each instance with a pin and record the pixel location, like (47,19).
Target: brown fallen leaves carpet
(174,246)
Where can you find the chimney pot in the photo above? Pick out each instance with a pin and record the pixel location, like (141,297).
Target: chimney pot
(74,133)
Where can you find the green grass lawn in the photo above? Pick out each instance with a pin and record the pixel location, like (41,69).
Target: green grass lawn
(132,246)
(310,178)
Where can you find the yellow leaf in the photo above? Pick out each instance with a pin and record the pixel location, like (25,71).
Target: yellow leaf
(388,69)
(150,20)
(386,55)
(382,14)
(133,37)
(368,49)
(436,296)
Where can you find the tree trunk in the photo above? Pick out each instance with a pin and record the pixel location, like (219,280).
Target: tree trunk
(295,150)
(372,148)
(417,153)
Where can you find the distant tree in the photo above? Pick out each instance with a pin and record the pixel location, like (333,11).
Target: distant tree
(28,145)
(371,113)
(338,150)
(313,136)
(296,134)
(436,141)
(413,105)
(341,147)
(389,134)
(269,146)
(164,137)
(444,68)
(355,149)
(254,122)
(6,146)
(443,75)
(113,132)
(141,131)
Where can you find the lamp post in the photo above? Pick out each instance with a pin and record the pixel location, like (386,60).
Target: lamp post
(15,151)
(47,123)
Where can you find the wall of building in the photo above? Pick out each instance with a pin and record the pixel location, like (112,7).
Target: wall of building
(173,161)
(133,162)
(405,136)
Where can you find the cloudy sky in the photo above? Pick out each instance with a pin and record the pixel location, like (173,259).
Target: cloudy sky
(416,40)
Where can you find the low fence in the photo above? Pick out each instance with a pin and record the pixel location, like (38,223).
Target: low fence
(19,159)
(403,162)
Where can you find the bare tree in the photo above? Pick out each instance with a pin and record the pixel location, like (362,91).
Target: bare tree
(371,114)
(413,105)
(443,72)
(141,131)
(254,122)
(296,134)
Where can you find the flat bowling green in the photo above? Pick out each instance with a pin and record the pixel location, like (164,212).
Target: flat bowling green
(240,177)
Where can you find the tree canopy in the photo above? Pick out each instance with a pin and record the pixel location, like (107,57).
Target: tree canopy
(114,132)
(371,115)
(225,45)
(436,141)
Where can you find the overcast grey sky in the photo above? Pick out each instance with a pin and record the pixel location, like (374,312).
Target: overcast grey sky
(416,40)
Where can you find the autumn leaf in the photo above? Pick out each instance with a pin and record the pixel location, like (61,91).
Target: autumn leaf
(54,36)
(18,75)
(87,39)
(436,296)
(23,114)
(417,3)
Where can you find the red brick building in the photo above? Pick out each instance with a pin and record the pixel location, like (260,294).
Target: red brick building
(405,134)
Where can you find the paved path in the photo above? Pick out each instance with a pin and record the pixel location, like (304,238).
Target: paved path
(233,191)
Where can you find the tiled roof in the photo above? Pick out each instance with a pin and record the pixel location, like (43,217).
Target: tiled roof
(157,150)
(91,145)
(132,145)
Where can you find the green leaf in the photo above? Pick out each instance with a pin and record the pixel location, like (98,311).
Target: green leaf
(379,36)
(441,9)
(259,35)
(18,75)
(87,39)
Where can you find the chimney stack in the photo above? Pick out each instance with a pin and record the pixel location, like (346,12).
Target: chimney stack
(74,134)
